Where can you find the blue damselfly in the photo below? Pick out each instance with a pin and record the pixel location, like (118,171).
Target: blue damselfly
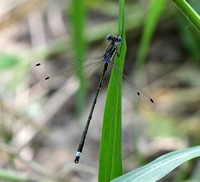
(56,73)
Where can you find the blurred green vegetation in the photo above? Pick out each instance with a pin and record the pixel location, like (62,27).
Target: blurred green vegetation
(78,22)
(12,176)
(155,11)
(190,38)
(8,61)
(175,84)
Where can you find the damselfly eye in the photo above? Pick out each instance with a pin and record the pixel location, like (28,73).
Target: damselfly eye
(119,39)
(108,37)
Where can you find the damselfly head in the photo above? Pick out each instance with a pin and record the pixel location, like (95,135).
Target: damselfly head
(114,39)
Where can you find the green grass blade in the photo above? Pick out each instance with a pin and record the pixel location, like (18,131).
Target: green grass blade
(188,12)
(160,167)
(78,20)
(110,159)
(156,8)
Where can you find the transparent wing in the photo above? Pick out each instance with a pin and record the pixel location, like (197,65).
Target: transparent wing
(54,74)
(132,92)
(56,81)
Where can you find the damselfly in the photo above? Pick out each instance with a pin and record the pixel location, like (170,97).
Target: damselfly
(56,73)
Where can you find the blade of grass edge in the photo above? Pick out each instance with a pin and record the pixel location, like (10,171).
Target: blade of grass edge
(160,167)
(110,157)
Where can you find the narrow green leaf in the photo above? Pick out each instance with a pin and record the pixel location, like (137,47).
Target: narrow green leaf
(188,12)
(110,159)
(160,167)
(156,8)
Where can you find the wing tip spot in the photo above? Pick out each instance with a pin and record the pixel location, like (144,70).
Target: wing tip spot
(152,100)
(138,93)
(38,64)
(46,78)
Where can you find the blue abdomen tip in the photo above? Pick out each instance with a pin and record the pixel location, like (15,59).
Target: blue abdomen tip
(78,154)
